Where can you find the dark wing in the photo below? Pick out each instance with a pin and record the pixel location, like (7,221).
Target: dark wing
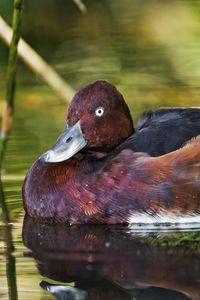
(165,130)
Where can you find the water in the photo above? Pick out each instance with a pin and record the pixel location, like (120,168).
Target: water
(100,263)
(150,50)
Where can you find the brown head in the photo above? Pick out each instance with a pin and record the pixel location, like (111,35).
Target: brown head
(98,118)
(104,116)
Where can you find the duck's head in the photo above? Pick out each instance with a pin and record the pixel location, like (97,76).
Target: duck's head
(98,119)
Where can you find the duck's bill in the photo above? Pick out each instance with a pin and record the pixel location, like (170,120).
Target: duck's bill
(68,144)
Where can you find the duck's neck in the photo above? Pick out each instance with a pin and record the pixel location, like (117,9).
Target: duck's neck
(92,154)
(83,163)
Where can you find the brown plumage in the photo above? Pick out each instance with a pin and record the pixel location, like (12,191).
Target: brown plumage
(112,191)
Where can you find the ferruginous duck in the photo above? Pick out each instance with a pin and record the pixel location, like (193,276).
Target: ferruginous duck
(102,170)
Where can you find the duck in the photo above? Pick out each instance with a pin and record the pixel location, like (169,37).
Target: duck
(100,172)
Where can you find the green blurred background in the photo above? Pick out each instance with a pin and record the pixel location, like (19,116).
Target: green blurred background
(150,49)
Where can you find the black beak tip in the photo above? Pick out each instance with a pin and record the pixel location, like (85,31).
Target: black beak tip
(44,284)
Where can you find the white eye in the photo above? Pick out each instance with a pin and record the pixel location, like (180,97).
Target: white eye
(99,111)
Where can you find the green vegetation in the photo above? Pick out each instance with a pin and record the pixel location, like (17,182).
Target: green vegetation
(12,63)
(183,241)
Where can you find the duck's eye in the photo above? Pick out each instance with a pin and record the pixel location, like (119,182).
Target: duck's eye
(99,111)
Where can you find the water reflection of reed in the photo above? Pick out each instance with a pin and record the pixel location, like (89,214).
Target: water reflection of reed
(111,263)
(9,248)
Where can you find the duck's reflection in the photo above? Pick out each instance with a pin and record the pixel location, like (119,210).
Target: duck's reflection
(111,263)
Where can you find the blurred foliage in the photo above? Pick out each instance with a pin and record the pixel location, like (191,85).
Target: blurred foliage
(150,49)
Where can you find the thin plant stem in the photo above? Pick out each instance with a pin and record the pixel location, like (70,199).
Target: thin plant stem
(5,130)
(7,117)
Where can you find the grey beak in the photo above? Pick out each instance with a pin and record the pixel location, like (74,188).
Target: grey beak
(69,143)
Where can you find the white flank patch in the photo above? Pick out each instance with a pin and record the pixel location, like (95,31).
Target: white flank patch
(163,221)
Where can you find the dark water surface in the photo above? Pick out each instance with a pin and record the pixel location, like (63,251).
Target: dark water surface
(150,50)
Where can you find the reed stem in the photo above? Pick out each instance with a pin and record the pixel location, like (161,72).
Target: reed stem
(7,119)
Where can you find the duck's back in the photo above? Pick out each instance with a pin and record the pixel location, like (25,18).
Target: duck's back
(165,130)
